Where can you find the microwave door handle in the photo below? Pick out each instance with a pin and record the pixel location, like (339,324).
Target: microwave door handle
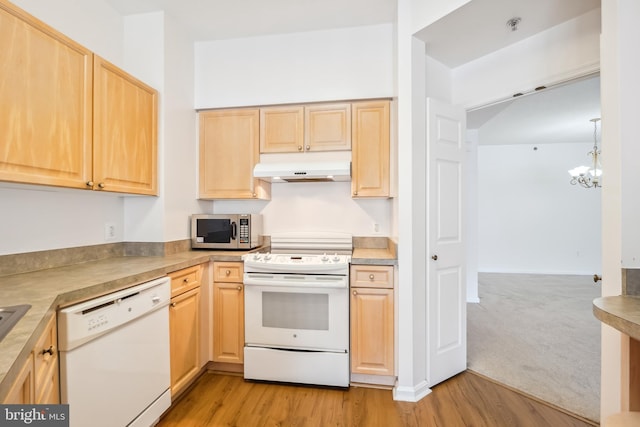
(234,231)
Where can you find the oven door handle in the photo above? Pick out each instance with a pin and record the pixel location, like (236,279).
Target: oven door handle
(270,281)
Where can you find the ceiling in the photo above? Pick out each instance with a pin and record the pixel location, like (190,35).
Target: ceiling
(480,27)
(555,115)
(226,19)
(474,30)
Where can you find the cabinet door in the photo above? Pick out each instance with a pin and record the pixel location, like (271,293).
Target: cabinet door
(372,331)
(184,326)
(125,134)
(228,322)
(45,367)
(45,103)
(327,127)
(281,129)
(21,392)
(229,150)
(370,149)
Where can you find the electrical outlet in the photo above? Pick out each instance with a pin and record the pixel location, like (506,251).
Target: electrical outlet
(376,227)
(109,231)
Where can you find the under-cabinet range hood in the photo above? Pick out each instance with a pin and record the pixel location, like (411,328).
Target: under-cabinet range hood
(303,172)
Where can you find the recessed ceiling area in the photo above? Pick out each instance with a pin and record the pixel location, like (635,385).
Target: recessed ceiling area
(556,115)
(227,19)
(480,26)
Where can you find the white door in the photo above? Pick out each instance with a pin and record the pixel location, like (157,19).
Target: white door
(446,286)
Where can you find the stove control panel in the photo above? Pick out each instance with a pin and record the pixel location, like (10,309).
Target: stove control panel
(269,258)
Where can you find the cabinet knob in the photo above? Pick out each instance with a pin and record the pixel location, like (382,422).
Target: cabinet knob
(186,280)
(239,288)
(299,147)
(254,195)
(173,304)
(355,193)
(101,184)
(48,351)
(308,147)
(89,184)
(355,292)
(227,272)
(371,276)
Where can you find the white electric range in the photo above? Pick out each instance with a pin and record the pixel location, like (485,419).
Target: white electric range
(297,310)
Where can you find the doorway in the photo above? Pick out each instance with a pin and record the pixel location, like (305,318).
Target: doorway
(538,246)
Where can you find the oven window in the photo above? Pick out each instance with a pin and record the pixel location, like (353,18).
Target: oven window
(291,310)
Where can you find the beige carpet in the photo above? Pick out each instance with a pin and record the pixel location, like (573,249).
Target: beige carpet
(537,333)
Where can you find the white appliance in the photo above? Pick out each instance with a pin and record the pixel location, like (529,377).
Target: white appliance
(297,310)
(114,357)
(303,171)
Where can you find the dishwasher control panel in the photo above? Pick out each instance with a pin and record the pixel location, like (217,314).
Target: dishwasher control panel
(82,322)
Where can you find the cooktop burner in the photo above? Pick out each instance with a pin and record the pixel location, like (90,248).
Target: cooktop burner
(306,253)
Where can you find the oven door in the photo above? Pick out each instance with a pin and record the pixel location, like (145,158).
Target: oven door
(214,231)
(297,311)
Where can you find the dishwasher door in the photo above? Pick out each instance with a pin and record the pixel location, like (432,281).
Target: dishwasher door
(120,376)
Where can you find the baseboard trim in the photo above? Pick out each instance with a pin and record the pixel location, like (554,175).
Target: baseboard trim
(411,394)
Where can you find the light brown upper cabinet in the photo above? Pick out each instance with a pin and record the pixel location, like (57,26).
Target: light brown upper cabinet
(125,132)
(65,121)
(370,149)
(327,127)
(281,129)
(229,150)
(300,128)
(45,103)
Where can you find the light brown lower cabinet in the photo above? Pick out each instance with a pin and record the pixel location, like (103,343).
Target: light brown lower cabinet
(372,324)
(38,381)
(228,313)
(184,327)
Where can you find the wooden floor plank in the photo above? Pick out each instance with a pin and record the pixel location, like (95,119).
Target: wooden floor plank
(467,400)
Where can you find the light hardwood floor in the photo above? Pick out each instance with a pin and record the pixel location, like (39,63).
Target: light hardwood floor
(465,400)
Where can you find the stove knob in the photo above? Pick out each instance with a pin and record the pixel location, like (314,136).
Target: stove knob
(256,257)
(336,258)
(324,258)
(267,257)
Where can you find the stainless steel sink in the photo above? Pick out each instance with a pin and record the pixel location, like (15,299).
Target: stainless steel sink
(9,316)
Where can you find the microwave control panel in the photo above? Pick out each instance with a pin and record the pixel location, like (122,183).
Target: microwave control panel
(244,230)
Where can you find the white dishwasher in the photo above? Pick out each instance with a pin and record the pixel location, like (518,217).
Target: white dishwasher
(114,357)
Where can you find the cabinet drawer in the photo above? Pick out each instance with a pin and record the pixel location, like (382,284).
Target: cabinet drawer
(228,272)
(185,279)
(372,276)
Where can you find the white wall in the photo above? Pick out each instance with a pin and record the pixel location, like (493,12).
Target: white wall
(156,50)
(181,141)
(620,209)
(40,218)
(530,218)
(565,51)
(325,65)
(341,64)
(94,24)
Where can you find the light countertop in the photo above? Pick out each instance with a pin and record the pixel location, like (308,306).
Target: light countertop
(50,289)
(620,312)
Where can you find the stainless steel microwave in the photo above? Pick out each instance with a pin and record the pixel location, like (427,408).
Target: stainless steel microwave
(226,231)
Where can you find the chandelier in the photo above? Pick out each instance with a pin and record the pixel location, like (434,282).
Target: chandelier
(589,176)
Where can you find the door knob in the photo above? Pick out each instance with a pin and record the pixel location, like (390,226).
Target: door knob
(596,278)
(434,257)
